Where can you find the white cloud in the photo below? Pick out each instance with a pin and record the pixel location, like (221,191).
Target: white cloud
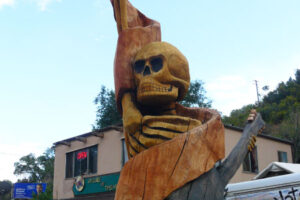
(11,153)
(42,4)
(233,91)
(230,92)
(6,3)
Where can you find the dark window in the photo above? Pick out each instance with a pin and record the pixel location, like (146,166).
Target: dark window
(250,163)
(81,162)
(69,165)
(93,153)
(81,158)
(124,152)
(282,156)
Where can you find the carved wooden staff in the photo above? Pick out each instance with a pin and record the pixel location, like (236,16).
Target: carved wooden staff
(120,7)
(211,184)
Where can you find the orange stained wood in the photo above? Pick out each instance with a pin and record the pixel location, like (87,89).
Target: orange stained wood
(158,171)
(135,31)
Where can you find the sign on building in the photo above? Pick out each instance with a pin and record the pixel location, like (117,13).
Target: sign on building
(27,190)
(95,184)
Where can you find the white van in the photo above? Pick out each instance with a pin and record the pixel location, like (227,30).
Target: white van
(285,187)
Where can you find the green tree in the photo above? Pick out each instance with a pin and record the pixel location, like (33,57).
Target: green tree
(290,129)
(107,113)
(238,117)
(37,169)
(280,108)
(28,166)
(5,188)
(196,96)
(277,104)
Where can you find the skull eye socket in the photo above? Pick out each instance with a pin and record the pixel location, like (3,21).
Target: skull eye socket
(139,66)
(156,64)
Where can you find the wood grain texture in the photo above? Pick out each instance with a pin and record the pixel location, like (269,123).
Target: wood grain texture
(211,185)
(139,31)
(157,172)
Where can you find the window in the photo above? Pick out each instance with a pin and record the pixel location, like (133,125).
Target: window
(282,156)
(124,153)
(250,163)
(81,162)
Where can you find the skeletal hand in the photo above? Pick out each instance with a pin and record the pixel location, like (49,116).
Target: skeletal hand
(252,139)
(251,116)
(132,117)
(251,144)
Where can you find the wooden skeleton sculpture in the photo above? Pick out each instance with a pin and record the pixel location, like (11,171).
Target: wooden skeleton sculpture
(171,146)
(161,75)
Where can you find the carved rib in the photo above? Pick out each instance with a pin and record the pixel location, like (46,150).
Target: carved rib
(163,129)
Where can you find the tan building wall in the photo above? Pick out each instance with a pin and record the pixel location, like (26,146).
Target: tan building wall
(110,157)
(267,152)
(109,160)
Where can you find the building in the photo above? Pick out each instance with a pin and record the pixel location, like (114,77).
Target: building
(88,166)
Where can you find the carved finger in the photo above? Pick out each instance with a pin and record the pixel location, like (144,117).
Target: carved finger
(132,151)
(254,138)
(250,119)
(252,115)
(252,144)
(249,148)
(134,140)
(132,118)
(261,130)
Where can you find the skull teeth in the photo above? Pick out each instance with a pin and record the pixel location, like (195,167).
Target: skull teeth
(156,88)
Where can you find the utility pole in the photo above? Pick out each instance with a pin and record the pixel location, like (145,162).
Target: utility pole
(257,91)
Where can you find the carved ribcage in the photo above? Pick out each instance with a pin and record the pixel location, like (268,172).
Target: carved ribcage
(156,130)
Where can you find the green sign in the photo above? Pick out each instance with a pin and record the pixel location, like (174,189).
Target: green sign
(96,184)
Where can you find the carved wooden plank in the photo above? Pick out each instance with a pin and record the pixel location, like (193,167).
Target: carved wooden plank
(211,185)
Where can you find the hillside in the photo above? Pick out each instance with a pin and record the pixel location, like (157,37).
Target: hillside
(280,109)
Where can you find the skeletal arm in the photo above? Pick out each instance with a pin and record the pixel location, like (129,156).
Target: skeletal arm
(237,155)
(211,184)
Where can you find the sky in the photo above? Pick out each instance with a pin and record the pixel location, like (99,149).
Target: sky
(56,54)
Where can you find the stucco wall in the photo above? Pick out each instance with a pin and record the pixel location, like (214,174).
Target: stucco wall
(109,160)
(110,157)
(266,153)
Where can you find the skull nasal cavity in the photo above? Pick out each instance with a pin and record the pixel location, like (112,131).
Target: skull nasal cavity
(147,71)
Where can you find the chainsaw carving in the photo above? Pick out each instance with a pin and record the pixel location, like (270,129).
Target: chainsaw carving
(171,145)
(161,75)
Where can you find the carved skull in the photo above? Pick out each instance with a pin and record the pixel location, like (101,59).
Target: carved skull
(161,74)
